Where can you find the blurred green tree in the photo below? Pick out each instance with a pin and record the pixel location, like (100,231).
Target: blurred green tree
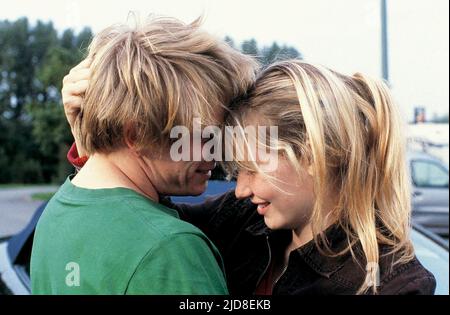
(268,54)
(33,61)
(250,47)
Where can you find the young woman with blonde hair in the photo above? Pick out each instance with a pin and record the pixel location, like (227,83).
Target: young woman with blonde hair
(341,186)
(334,216)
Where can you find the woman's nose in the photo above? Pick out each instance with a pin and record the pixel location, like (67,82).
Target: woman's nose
(243,189)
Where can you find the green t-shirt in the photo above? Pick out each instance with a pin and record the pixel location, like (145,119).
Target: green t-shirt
(116,241)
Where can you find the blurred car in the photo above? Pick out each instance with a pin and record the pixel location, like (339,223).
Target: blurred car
(430,195)
(15,252)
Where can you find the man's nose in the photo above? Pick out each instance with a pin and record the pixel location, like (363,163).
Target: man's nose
(243,189)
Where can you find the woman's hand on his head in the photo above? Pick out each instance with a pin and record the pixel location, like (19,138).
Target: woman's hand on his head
(75,85)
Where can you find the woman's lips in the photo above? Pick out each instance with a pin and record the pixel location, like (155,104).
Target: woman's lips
(262,208)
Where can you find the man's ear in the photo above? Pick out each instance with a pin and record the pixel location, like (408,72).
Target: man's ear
(130,136)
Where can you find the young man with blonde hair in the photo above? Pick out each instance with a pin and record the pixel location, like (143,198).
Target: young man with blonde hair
(105,231)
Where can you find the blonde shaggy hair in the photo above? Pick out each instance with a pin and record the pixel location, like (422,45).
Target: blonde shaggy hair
(153,76)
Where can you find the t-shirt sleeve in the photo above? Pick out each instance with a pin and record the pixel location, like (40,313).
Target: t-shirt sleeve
(181,264)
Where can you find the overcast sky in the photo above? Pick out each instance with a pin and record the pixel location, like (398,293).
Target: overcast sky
(341,34)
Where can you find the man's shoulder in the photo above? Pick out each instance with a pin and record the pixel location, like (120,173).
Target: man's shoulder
(160,219)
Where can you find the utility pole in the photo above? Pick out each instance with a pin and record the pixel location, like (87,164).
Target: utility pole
(384,42)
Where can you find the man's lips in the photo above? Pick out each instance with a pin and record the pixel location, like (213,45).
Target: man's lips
(206,170)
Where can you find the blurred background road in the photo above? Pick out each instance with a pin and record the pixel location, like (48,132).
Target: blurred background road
(17,205)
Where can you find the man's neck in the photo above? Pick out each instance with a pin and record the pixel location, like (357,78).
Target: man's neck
(118,169)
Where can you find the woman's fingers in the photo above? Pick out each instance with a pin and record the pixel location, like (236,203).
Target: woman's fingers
(76,88)
(72,99)
(75,85)
(85,63)
(72,107)
(78,75)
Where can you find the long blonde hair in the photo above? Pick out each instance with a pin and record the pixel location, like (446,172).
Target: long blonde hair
(349,130)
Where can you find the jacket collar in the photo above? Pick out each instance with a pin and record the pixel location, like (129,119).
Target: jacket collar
(321,262)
